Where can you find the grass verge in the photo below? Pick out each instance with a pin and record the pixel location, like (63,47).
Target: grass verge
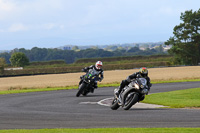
(188,98)
(108,130)
(174,81)
(26,90)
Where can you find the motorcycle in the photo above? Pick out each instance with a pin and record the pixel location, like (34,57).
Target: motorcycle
(87,84)
(131,94)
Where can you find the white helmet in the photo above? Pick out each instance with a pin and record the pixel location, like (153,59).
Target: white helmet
(98,65)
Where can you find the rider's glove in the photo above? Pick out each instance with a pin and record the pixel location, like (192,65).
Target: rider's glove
(84,70)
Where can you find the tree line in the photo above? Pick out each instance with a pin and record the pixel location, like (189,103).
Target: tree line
(45,54)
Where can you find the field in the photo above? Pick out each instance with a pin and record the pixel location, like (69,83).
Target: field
(69,79)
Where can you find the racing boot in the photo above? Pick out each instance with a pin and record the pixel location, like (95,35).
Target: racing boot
(80,81)
(95,86)
(118,91)
(92,90)
(141,99)
(122,85)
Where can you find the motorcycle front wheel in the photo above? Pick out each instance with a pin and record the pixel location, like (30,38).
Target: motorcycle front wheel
(80,89)
(130,100)
(114,105)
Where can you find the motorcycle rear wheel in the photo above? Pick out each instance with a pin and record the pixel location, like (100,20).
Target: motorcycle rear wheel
(130,101)
(114,105)
(80,90)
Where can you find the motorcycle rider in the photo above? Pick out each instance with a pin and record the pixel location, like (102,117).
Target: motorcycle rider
(98,68)
(143,73)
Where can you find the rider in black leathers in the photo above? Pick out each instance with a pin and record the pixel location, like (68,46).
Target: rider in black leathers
(98,68)
(143,73)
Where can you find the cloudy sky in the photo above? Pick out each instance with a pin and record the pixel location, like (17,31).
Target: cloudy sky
(54,23)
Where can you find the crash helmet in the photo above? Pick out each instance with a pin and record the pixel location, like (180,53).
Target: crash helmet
(98,65)
(143,72)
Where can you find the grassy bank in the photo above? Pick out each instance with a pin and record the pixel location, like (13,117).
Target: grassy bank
(108,130)
(188,98)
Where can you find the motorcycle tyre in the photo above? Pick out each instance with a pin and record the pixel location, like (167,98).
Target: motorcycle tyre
(80,90)
(114,105)
(132,102)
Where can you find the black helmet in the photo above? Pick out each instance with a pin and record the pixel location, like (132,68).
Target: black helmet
(143,72)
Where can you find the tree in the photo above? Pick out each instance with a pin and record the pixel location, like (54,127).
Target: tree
(134,50)
(19,59)
(2,65)
(186,40)
(6,56)
(159,49)
(75,48)
(37,54)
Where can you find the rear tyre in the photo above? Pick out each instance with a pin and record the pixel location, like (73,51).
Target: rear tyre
(114,105)
(129,101)
(80,89)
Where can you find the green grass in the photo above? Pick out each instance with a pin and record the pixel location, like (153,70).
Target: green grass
(174,81)
(188,98)
(107,130)
(26,90)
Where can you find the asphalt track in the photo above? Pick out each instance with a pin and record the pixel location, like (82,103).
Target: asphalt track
(61,109)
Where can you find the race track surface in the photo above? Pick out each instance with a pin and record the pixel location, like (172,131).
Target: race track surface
(61,109)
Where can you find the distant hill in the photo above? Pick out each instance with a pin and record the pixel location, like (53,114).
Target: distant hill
(112,47)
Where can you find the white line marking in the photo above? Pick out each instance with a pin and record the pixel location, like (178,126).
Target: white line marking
(88,103)
(107,102)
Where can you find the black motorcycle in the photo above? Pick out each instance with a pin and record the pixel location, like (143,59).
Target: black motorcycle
(87,84)
(131,94)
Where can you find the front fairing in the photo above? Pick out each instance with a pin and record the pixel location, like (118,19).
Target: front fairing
(91,76)
(137,85)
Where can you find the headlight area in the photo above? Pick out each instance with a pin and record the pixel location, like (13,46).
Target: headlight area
(137,86)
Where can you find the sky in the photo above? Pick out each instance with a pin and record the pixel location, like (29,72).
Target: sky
(54,23)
